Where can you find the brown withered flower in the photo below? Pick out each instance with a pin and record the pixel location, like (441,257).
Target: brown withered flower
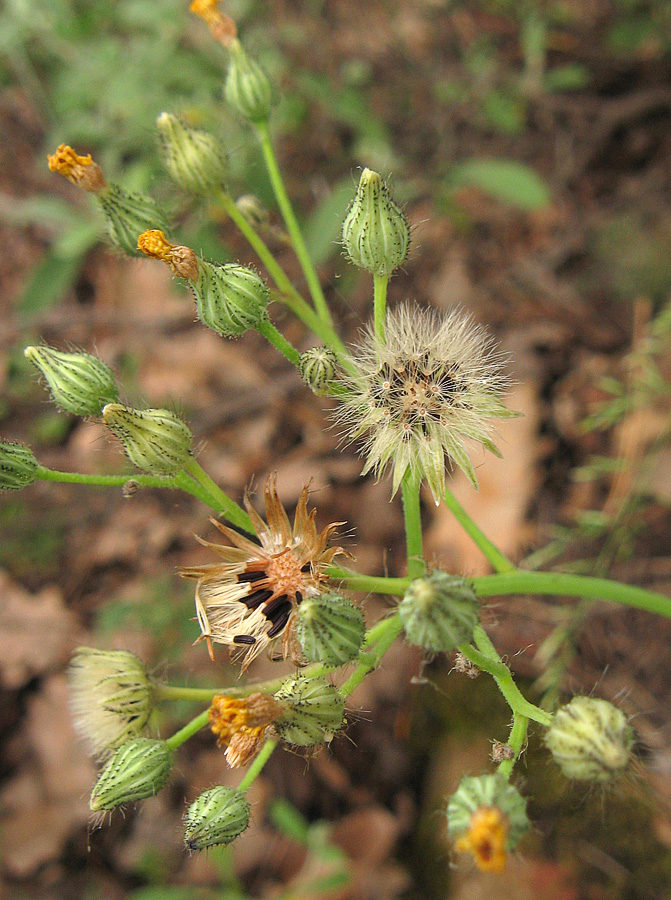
(250,598)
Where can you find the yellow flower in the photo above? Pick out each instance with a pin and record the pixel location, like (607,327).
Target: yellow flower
(240,724)
(221,27)
(250,598)
(183,261)
(486,839)
(80,170)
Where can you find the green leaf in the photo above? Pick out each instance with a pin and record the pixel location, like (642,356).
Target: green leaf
(509,181)
(572,77)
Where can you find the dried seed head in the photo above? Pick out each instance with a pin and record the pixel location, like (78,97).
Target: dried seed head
(375,233)
(80,170)
(128,215)
(155,440)
(247,88)
(217,816)
(439,611)
(318,368)
(590,739)
(230,299)
(330,629)
(433,383)
(138,769)
(111,697)
(314,711)
(195,159)
(18,466)
(182,261)
(78,382)
(486,817)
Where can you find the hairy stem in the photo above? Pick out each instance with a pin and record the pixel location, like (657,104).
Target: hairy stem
(380,304)
(518,735)
(279,342)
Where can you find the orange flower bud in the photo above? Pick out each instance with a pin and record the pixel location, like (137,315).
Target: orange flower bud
(80,170)
(183,261)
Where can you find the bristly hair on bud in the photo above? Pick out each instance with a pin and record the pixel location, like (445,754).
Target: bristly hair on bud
(138,769)
(247,88)
(318,368)
(18,466)
(250,598)
(417,396)
(78,382)
(195,159)
(314,711)
(155,440)
(439,611)
(217,816)
(230,299)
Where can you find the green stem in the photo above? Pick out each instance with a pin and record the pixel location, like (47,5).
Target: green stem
(386,633)
(520,582)
(254,770)
(368,584)
(279,342)
(413,524)
(221,501)
(174,692)
(291,222)
(380,283)
(518,735)
(492,554)
(161,481)
(180,737)
(309,317)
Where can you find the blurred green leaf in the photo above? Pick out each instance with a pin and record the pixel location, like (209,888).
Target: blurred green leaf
(323,227)
(571,77)
(509,181)
(288,821)
(504,112)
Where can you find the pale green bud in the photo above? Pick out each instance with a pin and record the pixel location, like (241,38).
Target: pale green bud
(195,159)
(18,466)
(79,382)
(230,299)
(318,368)
(590,739)
(375,233)
(155,440)
(217,816)
(314,711)
(439,611)
(487,792)
(128,215)
(247,88)
(253,210)
(138,769)
(111,697)
(330,629)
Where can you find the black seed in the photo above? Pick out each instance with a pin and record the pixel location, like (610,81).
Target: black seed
(280,623)
(307,567)
(251,576)
(299,597)
(270,609)
(244,639)
(256,598)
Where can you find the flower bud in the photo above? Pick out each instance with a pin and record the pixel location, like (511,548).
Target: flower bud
(155,440)
(111,697)
(128,215)
(217,816)
(375,233)
(590,739)
(195,159)
(79,382)
(80,170)
(314,711)
(247,88)
(487,817)
(138,769)
(318,368)
(18,466)
(330,629)
(230,299)
(439,611)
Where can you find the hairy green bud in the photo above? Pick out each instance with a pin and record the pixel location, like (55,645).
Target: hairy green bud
(138,769)
(217,816)
(590,739)
(128,215)
(330,629)
(439,611)
(247,89)
(314,711)
(230,299)
(318,368)
(195,159)
(18,466)
(78,382)
(375,233)
(155,440)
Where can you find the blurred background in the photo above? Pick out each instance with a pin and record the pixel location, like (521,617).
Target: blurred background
(530,143)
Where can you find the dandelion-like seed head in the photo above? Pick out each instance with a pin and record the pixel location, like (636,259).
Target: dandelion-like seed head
(417,396)
(250,598)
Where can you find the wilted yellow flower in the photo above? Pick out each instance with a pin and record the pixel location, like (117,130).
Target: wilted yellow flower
(80,170)
(486,839)
(183,261)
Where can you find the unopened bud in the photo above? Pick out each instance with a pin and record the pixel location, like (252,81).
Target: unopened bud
(128,215)
(375,233)
(182,261)
(195,159)
(230,299)
(439,611)
(247,88)
(138,769)
(217,816)
(330,629)
(590,739)
(253,210)
(80,170)
(78,382)
(155,440)
(18,466)
(318,368)
(487,817)
(314,711)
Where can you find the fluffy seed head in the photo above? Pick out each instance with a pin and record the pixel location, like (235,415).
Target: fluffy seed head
(138,769)
(217,816)
(590,739)
(433,383)
(18,466)
(78,382)
(111,697)
(195,159)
